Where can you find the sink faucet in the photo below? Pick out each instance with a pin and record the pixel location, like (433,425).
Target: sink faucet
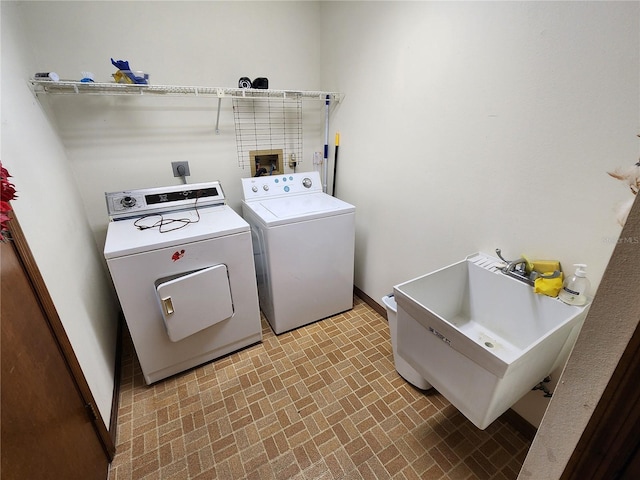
(515,269)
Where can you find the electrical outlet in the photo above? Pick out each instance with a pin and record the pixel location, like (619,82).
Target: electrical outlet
(180,169)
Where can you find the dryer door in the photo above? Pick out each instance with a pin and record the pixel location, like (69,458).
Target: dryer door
(195,301)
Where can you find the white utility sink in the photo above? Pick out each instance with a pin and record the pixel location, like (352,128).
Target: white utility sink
(481,338)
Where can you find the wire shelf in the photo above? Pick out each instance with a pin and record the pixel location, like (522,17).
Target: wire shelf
(92,88)
(266,120)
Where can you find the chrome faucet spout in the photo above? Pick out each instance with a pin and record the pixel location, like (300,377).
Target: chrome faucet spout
(515,268)
(511,266)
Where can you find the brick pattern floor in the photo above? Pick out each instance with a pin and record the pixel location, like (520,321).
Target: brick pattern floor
(321,402)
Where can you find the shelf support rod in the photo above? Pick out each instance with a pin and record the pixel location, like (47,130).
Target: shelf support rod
(218,117)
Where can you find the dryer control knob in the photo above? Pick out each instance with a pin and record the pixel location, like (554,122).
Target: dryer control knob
(254,188)
(265,188)
(128,201)
(306,182)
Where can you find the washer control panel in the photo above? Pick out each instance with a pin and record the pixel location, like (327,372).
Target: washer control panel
(271,186)
(131,203)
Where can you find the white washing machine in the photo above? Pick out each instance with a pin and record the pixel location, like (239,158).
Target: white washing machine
(303,244)
(182,265)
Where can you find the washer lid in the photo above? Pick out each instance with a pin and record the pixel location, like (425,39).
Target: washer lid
(125,238)
(298,208)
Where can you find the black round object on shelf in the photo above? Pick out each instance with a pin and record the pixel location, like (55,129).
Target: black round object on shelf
(261,82)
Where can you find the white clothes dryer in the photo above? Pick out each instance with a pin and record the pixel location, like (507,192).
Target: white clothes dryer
(182,265)
(303,247)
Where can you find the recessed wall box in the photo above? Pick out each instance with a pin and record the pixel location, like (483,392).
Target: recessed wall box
(267,162)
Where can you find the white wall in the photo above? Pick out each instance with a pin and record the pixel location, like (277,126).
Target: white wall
(49,208)
(117,143)
(464,127)
(77,148)
(468,126)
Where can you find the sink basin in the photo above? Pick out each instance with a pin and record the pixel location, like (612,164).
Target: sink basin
(481,338)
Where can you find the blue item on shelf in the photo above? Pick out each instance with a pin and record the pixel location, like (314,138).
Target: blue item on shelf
(120,64)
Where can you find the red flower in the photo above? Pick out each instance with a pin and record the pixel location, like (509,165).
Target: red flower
(7,193)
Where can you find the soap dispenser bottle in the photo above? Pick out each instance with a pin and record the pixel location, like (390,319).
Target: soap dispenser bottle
(575,288)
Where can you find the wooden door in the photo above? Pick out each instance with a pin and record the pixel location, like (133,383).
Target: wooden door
(47,429)
(610,445)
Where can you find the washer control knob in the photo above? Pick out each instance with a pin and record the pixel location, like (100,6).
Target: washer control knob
(306,182)
(128,202)
(265,187)
(254,188)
